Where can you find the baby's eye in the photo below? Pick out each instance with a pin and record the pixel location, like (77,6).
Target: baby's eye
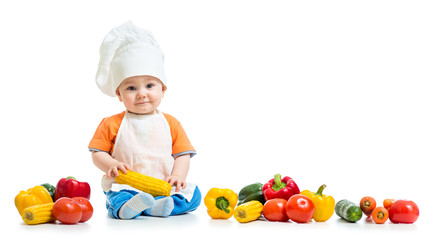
(150,85)
(131,88)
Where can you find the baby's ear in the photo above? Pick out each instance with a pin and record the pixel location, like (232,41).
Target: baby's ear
(164,88)
(117,92)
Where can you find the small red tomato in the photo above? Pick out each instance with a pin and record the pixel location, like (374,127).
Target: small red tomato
(87,209)
(300,208)
(367,205)
(275,210)
(403,211)
(67,210)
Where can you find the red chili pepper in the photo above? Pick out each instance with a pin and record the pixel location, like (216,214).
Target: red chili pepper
(70,187)
(280,188)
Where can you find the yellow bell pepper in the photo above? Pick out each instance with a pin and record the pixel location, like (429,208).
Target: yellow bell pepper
(33,196)
(324,205)
(220,203)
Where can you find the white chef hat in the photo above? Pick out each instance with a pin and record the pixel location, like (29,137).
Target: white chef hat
(128,51)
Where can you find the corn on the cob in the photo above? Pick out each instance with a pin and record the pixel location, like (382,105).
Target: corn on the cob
(248,211)
(155,187)
(36,214)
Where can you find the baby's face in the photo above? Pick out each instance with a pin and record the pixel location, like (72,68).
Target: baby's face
(141,94)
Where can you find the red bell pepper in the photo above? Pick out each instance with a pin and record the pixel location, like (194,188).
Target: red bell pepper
(280,188)
(70,187)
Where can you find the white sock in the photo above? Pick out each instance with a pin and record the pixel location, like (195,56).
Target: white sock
(136,205)
(163,207)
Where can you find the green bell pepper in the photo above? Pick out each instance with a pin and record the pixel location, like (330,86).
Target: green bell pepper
(251,192)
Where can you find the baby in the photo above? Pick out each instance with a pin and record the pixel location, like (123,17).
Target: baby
(142,138)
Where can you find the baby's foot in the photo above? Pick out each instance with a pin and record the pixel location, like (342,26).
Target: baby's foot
(136,205)
(163,207)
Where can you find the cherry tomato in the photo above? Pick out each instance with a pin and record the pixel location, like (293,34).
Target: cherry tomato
(367,205)
(380,215)
(67,210)
(87,209)
(275,210)
(387,203)
(403,211)
(300,208)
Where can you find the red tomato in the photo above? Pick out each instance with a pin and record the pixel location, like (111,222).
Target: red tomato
(67,210)
(403,211)
(300,208)
(275,210)
(87,209)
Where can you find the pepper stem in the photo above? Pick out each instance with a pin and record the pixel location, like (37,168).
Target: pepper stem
(320,190)
(222,203)
(70,177)
(278,184)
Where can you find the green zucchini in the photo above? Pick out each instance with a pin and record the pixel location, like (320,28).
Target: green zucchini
(251,192)
(348,210)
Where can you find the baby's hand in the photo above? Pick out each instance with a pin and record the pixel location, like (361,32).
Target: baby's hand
(113,169)
(179,182)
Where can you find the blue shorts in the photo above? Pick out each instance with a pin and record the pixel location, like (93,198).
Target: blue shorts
(115,200)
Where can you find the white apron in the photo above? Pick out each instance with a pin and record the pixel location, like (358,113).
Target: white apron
(144,142)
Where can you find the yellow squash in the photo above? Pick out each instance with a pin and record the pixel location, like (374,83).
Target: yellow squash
(33,196)
(220,203)
(323,205)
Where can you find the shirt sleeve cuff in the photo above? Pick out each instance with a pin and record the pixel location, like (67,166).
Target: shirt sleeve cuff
(96,150)
(192,154)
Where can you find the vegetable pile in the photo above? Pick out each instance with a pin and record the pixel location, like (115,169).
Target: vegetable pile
(281,200)
(68,202)
(277,200)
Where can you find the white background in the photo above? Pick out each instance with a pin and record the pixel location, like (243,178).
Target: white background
(334,92)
